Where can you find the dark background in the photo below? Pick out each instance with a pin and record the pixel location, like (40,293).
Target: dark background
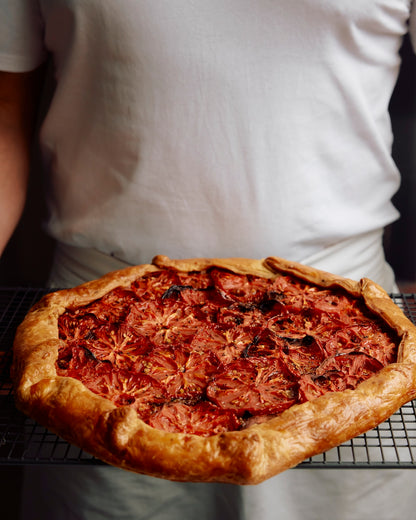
(400,241)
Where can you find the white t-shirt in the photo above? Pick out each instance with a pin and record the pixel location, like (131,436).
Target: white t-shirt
(220,128)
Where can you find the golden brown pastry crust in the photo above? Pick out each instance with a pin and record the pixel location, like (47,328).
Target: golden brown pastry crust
(119,437)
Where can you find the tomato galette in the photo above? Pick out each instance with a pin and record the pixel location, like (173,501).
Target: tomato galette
(227,370)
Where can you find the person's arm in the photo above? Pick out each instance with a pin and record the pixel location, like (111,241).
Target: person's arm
(19,94)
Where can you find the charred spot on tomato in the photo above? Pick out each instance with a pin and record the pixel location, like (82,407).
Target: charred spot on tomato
(89,353)
(244,307)
(276,295)
(174,291)
(63,363)
(253,343)
(246,415)
(125,400)
(266,305)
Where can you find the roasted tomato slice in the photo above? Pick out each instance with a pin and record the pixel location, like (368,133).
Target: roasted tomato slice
(76,326)
(119,346)
(198,280)
(112,307)
(202,418)
(153,285)
(75,360)
(208,338)
(255,385)
(184,374)
(240,288)
(352,367)
(166,323)
(302,355)
(124,388)
(338,373)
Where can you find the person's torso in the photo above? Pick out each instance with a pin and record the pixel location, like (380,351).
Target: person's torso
(221,128)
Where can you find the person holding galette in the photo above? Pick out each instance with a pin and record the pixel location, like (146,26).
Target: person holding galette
(194,129)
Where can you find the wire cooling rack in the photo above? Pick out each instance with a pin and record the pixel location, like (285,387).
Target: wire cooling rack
(23,441)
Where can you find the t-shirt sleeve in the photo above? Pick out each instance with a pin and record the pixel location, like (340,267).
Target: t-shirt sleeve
(21,35)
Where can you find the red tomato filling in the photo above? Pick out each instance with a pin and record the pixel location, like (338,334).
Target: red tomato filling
(209,352)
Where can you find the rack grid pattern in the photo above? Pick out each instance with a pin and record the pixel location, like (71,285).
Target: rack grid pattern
(23,441)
